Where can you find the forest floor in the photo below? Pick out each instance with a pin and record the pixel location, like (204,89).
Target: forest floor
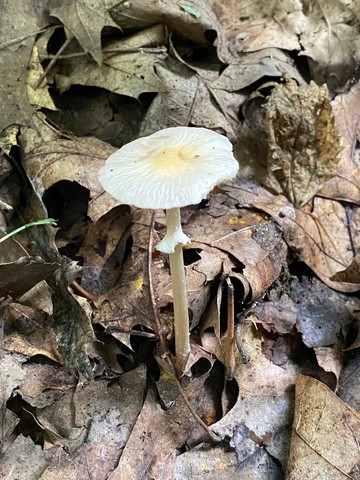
(273,270)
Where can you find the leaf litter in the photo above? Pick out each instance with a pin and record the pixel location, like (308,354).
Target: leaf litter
(272,270)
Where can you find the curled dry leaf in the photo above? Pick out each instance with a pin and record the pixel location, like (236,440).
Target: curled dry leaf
(248,237)
(51,160)
(193,19)
(303,141)
(255,66)
(325,439)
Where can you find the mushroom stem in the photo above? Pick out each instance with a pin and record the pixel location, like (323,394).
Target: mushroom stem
(178,282)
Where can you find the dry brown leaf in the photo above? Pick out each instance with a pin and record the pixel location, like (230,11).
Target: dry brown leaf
(247,236)
(350,274)
(253,26)
(23,459)
(44,383)
(156,436)
(85,20)
(330,40)
(345,185)
(103,250)
(193,19)
(325,439)
(255,66)
(330,360)
(106,413)
(263,411)
(320,238)
(49,159)
(188,98)
(16,46)
(27,331)
(303,141)
(123,73)
(18,277)
(349,385)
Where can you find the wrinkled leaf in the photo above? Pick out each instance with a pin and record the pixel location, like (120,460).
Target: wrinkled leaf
(345,185)
(303,141)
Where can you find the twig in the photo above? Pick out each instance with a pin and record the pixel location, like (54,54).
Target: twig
(112,50)
(52,62)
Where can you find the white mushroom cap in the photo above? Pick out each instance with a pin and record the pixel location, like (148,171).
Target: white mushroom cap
(171,168)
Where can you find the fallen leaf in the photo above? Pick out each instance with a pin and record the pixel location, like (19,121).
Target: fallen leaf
(345,185)
(85,20)
(325,436)
(123,72)
(12,462)
(330,40)
(141,14)
(214,463)
(18,277)
(330,360)
(350,274)
(104,249)
(303,141)
(251,27)
(320,238)
(255,66)
(38,95)
(247,236)
(263,387)
(51,160)
(113,411)
(155,436)
(16,39)
(326,316)
(348,387)
(11,376)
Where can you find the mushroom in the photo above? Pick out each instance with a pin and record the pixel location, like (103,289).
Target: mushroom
(169,169)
